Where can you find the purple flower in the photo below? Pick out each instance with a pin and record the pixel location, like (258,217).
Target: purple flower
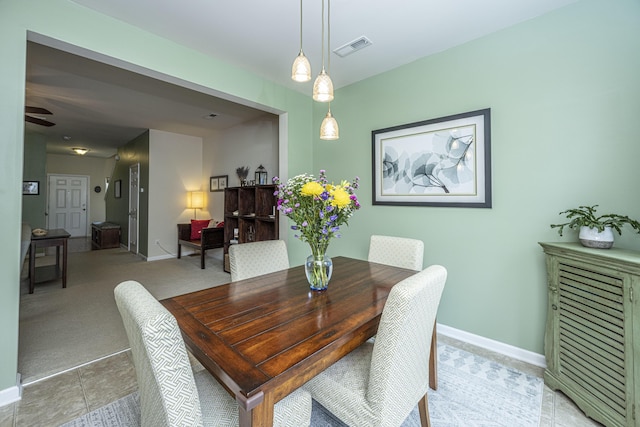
(305,223)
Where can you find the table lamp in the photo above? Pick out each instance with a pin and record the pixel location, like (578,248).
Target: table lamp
(195,200)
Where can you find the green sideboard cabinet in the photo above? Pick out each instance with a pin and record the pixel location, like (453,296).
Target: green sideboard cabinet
(592,337)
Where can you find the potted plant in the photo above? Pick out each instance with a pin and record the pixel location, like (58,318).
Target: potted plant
(595,231)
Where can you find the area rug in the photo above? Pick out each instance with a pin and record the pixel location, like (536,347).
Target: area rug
(472,392)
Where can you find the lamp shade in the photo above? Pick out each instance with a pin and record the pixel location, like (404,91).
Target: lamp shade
(323,88)
(195,200)
(329,128)
(301,69)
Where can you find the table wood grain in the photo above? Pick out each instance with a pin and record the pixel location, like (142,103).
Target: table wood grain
(266,336)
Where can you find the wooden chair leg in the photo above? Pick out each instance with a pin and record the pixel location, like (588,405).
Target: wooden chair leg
(423,407)
(202,253)
(179,250)
(433,360)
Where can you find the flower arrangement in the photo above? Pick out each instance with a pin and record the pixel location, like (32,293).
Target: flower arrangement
(318,209)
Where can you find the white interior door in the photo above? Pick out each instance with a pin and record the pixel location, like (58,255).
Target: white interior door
(134,201)
(68,203)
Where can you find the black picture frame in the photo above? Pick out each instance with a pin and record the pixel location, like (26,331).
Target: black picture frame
(443,162)
(218,183)
(31,188)
(117,189)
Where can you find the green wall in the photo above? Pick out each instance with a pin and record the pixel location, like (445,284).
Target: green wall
(136,151)
(64,24)
(564,93)
(35,169)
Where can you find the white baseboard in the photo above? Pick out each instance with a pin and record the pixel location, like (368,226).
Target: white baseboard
(492,345)
(160,257)
(11,394)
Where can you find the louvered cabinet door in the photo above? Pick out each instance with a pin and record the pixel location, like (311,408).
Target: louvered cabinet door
(589,342)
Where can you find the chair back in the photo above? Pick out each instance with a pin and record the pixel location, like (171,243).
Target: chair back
(168,393)
(248,260)
(396,251)
(399,373)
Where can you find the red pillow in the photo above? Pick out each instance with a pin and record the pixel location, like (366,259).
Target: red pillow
(220,224)
(196,227)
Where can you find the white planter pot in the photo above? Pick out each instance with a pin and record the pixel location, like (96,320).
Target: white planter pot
(592,238)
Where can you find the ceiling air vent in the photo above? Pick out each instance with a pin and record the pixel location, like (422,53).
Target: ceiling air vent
(349,48)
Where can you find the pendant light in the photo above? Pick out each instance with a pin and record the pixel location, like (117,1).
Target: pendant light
(301,69)
(323,86)
(329,128)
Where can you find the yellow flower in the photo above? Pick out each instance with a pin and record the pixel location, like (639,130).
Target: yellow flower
(340,197)
(312,189)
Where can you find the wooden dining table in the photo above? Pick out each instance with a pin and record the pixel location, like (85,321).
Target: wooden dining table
(264,337)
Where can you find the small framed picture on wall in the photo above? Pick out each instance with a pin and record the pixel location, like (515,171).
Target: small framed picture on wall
(218,183)
(31,188)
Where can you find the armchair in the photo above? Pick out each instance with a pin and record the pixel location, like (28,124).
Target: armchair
(210,238)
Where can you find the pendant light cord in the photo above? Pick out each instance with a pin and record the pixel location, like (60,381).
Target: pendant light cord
(328,36)
(322,35)
(300,25)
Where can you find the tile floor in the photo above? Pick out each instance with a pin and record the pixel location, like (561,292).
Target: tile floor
(64,397)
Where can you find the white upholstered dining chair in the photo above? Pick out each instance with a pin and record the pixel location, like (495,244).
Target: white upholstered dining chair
(397,251)
(380,382)
(256,258)
(405,253)
(171,395)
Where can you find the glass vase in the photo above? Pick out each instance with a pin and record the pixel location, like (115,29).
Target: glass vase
(318,269)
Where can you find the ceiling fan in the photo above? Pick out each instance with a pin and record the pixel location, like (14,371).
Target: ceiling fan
(37,110)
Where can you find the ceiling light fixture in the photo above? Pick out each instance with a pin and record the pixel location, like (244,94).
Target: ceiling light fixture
(323,86)
(80,151)
(329,130)
(301,69)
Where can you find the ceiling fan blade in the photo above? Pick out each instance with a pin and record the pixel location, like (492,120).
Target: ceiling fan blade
(36,110)
(38,121)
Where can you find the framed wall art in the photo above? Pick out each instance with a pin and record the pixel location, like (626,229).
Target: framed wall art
(218,183)
(31,188)
(436,162)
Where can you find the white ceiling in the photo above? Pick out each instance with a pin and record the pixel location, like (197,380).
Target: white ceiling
(104,106)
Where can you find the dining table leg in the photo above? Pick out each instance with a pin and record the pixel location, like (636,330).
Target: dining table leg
(64,263)
(256,411)
(32,266)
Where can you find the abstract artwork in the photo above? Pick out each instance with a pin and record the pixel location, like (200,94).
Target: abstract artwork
(437,162)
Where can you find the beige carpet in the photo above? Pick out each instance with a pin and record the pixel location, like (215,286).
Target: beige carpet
(64,328)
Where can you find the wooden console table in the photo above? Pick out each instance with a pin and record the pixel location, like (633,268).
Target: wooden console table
(57,237)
